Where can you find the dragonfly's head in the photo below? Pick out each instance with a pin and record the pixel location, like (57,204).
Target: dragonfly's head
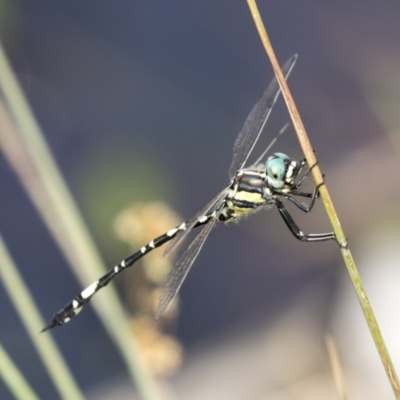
(281,171)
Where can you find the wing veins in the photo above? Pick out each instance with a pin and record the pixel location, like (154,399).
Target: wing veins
(255,122)
(182,267)
(212,205)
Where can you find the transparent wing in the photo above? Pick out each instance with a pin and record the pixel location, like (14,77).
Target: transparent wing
(182,267)
(211,206)
(254,124)
(273,141)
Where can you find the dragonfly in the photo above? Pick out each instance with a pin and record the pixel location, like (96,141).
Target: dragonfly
(261,185)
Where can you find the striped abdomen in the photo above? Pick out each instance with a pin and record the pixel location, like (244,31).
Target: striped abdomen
(246,194)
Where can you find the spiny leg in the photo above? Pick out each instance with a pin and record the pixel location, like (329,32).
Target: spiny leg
(303,207)
(297,232)
(75,306)
(306,174)
(295,192)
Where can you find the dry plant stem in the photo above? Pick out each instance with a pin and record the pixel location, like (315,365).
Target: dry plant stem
(32,321)
(25,148)
(337,368)
(299,127)
(311,160)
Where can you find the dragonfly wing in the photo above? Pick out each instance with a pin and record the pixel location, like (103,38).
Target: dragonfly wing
(254,124)
(182,267)
(214,204)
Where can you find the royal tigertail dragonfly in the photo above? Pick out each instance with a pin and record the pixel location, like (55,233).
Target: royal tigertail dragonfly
(261,185)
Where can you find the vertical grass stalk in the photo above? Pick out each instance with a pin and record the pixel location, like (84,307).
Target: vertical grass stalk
(29,155)
(32,321)
(326,199)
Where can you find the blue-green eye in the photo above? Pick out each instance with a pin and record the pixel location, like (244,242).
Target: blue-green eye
(276,168)
(282,156)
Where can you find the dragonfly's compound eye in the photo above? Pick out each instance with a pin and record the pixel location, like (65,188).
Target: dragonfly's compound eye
(276,168)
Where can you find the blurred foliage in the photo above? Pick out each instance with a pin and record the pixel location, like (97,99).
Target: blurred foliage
(137,225)
(114,176)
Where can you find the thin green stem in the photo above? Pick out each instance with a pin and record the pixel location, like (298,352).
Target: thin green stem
(13,379)
(28,153)
(327,201)
(32,321)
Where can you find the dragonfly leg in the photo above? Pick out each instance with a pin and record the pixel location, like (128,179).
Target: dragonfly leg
(297,232)
(306,174)
(303,207)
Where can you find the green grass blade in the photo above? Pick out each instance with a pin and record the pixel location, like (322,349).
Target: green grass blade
(28,153)
(32,321)
(13,379)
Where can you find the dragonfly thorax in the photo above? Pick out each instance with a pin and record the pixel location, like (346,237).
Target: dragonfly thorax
(258,186)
